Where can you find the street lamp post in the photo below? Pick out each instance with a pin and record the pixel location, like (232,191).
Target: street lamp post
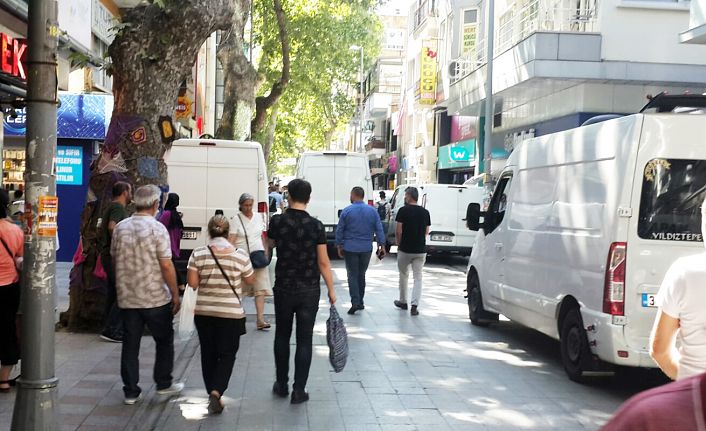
(361,95)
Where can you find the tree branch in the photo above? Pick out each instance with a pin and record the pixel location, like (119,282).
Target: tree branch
(263,103)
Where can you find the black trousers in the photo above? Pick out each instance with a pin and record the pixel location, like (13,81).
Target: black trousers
(220,340)
(9,304)
(159,322)
(288,306)
(112,322)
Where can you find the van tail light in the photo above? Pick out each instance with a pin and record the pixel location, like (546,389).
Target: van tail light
(262,207)
(370,202)
(614,292)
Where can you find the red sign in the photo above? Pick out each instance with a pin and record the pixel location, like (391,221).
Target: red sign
(463,128)
(13,53)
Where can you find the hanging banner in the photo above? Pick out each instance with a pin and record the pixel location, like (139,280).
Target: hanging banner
(47,216)
(427,83)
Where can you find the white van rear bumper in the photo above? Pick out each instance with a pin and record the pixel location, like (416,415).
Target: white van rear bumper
(608,342)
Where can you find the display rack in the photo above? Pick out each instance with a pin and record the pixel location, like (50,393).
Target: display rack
(13,168)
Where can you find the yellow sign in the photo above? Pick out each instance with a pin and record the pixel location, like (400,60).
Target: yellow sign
(469,38)
(427,83)
(47,216)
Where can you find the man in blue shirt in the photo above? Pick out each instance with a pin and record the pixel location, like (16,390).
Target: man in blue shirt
(354,240)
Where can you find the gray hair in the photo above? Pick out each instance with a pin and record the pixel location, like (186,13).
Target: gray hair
(146,196)
(245,197)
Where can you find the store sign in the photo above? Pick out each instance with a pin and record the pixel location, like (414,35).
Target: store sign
(184,108)
(80,116)
(463,128)
(427,83)
(13,54)
(69,165)
(458,155)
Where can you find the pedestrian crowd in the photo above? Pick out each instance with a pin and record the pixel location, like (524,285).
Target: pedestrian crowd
(139,253)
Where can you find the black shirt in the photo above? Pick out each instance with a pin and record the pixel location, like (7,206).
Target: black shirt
(415,220)
(296,235)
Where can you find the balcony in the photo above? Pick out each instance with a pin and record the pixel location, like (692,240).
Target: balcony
(518,23)
(424,10)
(697,24)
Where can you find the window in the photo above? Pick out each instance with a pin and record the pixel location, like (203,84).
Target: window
(498,204)
(670,204)
(100,76)
(469,31)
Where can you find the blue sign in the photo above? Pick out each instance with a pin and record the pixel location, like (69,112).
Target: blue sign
(69,165)
(80,116)
(457,155)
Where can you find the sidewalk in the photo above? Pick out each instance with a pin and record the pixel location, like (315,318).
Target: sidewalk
(431,372)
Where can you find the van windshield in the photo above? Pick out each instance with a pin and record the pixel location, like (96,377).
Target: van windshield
(670,205)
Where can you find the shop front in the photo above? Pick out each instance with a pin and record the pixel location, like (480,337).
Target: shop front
(456,161)
(81,125)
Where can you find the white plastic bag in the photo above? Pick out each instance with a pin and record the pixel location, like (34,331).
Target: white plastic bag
(186,314)
(375,260)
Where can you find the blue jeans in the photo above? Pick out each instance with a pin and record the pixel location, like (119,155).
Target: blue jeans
(356,266)
(159,322)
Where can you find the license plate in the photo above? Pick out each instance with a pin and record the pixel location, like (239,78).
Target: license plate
(189,234)
(441,238)
(329,229)
(649,300)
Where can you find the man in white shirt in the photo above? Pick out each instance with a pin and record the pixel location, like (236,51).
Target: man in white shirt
(682,316)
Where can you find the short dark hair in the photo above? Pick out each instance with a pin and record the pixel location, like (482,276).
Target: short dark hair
(358,192)
(18,194)
(120,187)
(412,192)
(382,195)
(300,191)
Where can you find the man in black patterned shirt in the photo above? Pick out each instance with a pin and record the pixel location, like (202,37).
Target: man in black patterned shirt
(302,260)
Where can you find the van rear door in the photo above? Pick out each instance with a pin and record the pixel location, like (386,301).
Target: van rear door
(442,204)
(669,188)
(352,170)
(319,170)
(231,172)
(188,177)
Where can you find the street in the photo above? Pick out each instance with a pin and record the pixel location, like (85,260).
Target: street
(434,371)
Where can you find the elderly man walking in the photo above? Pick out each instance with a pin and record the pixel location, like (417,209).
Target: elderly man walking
(147,293)
(354,240)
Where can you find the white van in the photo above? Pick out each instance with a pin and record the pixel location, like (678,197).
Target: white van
(446,204)
(581,228)
(210,175)
(332,175)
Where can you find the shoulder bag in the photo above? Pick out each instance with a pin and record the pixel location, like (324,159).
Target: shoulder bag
(258,257)
(14,259)
(218,264)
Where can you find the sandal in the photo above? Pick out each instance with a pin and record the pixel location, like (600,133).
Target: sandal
(263,325)
(215,406)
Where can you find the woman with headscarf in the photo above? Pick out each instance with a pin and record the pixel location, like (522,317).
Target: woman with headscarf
(171,219)
(11,252)
(247,228)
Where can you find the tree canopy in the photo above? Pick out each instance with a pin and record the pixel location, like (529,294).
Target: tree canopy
(324,71)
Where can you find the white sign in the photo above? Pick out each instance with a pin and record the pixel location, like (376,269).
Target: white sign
(394,39)
(74,15)
(103,22)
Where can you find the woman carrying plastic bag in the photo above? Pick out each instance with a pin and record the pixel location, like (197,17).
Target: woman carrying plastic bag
(186,314)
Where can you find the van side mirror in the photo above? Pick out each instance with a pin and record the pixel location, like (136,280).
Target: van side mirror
(473,215)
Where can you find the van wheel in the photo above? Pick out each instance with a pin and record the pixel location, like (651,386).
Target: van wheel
(575,352)
(478,315)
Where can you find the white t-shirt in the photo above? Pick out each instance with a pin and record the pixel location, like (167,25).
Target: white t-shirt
(683,296)
(254,227)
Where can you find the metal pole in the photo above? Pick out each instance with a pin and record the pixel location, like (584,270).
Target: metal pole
(362,96)
(37,397)
(489,108)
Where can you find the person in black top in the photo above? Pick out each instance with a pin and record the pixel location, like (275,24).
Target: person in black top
(413,224)
(302,260)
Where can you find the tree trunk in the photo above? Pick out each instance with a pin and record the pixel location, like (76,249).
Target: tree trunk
(240,80)
(264,103)
(269,137)
(153,52)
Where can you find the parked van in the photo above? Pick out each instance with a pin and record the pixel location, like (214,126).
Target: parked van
(446,204)
(580,230)
(210,175)
(332,175)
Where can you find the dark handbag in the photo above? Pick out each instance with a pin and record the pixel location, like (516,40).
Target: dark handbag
(257,258)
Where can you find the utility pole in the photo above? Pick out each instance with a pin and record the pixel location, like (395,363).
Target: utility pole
(37,397)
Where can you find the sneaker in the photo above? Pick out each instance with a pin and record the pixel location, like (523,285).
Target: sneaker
(414,311)
(111,338)
(174,389)
(131,401)
(280,389)
(401,305)
(299,397)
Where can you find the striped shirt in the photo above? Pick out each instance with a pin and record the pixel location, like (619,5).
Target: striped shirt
(215,297)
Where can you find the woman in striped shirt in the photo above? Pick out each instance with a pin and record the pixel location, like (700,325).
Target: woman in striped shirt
(217,271)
